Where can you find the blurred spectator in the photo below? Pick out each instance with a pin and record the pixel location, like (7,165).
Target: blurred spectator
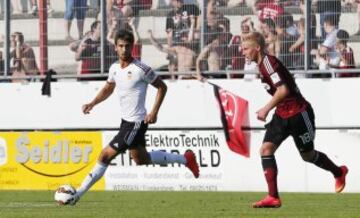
(268,30)
(290,26)
(347,60)
(181,27)
(356,3)
(239,62)
(181,24)
(270,9)
(298,45)
(211,21)
(89,53)
(181,59)
(283,43)
(328,56)
(313,24)
(23,58)
(77,9)
(211,54)
(34,7)
(127,22)
(216,55)
(16,6)
(328,8)
(95,7)
(258,5)
(115,8)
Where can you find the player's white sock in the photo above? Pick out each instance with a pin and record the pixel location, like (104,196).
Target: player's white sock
(96,173)
(161,157)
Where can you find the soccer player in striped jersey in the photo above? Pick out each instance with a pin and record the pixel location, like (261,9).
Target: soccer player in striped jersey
(131,78)
(293,116)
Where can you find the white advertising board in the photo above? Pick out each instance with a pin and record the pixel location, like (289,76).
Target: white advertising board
(223,170)
(207,145)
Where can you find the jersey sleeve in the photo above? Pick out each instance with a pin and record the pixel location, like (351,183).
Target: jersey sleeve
(111,78)
(275,70)
(149,76)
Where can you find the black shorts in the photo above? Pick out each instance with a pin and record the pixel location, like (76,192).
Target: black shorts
(301,127)
(130,135)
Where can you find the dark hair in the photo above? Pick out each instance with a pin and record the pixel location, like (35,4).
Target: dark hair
(270,23)
(20,36)
(343,36)
(124,35)
(94,25)
(330,20)
(284,21)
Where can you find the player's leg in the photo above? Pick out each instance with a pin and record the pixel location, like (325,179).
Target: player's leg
(268,163)
(321,160)
(141,157)
(117,145)
(304,134)
(136,144)
(274,136)
(106,155)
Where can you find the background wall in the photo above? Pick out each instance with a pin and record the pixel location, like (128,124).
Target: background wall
(188,104)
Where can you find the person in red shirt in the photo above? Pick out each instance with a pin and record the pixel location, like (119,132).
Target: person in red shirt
(127,22)
(271,10)
(293,116)
(347,60)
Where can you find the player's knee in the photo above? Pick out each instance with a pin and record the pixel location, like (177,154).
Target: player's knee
(308,156)
(267,149)
(106,156)
(141,161)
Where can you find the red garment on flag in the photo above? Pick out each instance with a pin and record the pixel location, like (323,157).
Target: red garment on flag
(234,116)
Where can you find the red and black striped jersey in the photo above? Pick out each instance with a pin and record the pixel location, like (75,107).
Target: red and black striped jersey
(274,74)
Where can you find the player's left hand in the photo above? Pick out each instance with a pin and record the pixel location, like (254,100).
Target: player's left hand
(262,114)
(150,118)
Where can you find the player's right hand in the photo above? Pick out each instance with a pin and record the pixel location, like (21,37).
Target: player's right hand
(86,108)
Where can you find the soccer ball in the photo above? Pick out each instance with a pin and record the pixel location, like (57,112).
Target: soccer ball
(65,194)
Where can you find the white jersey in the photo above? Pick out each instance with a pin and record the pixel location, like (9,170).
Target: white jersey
(131,85)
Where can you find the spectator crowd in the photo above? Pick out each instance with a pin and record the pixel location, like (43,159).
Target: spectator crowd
(196,47)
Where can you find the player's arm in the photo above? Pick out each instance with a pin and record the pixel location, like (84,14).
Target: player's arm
(161,92)
(104,93)
(280,94)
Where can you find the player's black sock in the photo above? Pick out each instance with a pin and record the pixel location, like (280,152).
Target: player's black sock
(270,172)
(322,161)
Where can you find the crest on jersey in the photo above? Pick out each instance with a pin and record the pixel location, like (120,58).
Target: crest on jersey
(129,75)
(275,77)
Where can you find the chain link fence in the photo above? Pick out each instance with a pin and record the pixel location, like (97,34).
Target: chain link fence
(177,37)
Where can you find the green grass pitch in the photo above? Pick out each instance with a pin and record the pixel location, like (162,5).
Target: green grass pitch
(177,205)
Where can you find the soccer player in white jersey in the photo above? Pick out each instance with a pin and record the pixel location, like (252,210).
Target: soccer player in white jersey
(131,78)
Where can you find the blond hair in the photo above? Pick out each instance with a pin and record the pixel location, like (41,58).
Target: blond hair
(255,38)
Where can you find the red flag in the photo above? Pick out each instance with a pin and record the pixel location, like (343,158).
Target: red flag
(234,116)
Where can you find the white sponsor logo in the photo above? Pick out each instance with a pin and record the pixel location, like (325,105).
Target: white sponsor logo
(275,77)
(3,152)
